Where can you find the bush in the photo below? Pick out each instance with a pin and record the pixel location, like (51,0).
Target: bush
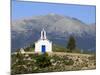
(92,57)
(43,61)
(19,70)
(69,62)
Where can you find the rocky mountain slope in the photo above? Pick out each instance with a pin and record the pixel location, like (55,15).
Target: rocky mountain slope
(59,28)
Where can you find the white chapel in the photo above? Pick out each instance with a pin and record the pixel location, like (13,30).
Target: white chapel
(43,44)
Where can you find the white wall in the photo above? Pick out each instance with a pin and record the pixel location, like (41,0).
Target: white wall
(47,43)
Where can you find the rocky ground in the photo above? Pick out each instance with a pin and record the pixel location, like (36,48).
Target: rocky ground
(51,62)
(80,61)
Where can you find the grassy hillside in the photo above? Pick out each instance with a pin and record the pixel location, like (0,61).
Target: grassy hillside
(59,48)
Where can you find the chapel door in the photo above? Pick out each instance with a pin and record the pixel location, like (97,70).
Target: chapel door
(43,48)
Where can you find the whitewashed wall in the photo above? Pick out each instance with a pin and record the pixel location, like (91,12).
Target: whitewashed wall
(47,43)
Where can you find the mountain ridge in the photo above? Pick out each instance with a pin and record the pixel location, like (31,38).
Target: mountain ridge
(60,27)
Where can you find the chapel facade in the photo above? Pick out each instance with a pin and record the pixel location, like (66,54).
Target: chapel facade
(43,44)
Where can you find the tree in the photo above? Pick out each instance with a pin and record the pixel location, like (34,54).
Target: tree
(71,43)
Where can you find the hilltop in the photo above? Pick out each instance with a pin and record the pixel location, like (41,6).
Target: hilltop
(51,62)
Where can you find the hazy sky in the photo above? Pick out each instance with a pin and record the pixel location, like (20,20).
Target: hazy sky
(28,9)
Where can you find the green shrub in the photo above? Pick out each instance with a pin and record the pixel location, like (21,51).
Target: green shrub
(43,61)
(69,62)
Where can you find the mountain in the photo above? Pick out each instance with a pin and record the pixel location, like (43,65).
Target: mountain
(59,28)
